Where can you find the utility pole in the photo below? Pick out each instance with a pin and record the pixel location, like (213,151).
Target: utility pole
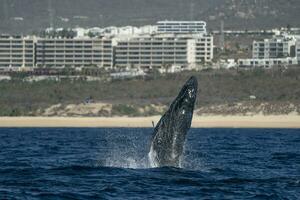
(51,12)
(6,19)
(222,38)
(192,14)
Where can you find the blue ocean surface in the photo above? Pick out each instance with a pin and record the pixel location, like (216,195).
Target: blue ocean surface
(113,164)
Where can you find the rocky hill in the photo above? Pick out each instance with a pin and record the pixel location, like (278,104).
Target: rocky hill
(27,16)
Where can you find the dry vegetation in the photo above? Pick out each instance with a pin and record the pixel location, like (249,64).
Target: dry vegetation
(220,92)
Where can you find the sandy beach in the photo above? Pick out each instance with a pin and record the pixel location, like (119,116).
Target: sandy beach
(259,121)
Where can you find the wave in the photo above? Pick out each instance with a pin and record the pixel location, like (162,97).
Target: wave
(285,156)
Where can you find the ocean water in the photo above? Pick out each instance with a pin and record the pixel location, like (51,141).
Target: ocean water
(113,164)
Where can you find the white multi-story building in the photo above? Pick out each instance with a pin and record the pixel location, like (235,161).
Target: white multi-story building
(298,51)
(282,49)
(128,30)
(16,52)
(74,52)
(181,27)
(200,50)
(267,62)
(163,49)
(277,47)
(169,43)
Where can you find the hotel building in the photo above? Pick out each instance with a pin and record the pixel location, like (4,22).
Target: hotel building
(267,62)
(177,43)
(74,52)
(163,49)
(298,51)
(278,47)
(16,52)
(279,50)
(181,27)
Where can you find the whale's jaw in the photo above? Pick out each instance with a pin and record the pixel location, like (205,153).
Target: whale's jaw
(169,135)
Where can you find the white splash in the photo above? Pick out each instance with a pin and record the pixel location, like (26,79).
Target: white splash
(152,158)
(130,163)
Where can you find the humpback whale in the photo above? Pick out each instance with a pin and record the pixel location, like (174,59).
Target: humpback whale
(170,132)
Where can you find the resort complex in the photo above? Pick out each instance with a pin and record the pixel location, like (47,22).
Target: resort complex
(171,43)
(167,46)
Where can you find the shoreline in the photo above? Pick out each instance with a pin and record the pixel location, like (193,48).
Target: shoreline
(256,121)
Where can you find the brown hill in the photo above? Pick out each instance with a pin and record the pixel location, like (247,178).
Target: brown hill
(26,16)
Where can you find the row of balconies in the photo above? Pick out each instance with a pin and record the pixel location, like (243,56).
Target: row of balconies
(63,46)
(11,52)
(151,56)
(74,65)
(181,25)
(157,50)
(203,44)
(16,41)
(156,39)
(16,58)
(73,54)
(15,62)
(158,64)
(203,57)
(15,55)
(14,48)
(73,51)
(71,59)
(41,48)
(73,41)
(153,43)
(203,49)
(179,28)
(68,61)
(203,54)
(14,44)
(7,65)
(150,60)
(150,53)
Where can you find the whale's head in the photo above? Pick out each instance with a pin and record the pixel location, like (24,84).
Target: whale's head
(181,110)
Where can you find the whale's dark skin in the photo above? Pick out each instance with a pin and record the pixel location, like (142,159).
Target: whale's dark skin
(170,132)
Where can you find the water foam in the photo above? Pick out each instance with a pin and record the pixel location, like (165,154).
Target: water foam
(151,158)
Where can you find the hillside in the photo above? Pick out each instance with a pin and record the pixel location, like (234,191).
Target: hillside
(27,16)
(220,92)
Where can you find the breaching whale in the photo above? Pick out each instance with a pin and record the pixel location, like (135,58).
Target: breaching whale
(170,132)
